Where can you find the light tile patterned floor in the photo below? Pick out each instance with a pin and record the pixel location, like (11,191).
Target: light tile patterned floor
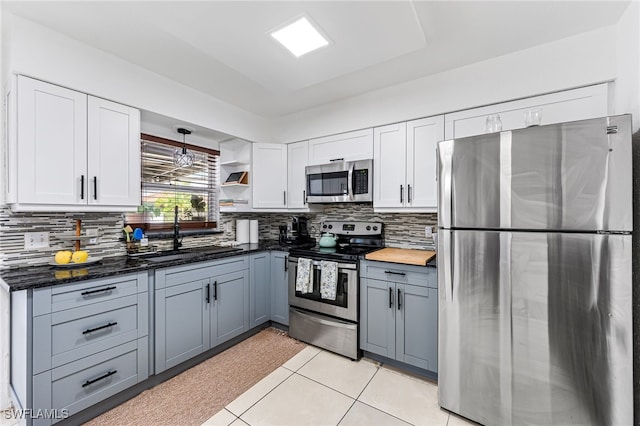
(317,387)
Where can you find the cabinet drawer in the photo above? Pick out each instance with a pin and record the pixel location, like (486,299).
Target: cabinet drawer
(59,298)
(69,335)
(200,271)
(81,384)
(424,276)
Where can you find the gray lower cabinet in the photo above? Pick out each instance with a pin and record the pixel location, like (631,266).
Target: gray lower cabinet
(260,292)
(199,306)
(399,313)
(73,345)
(279,287)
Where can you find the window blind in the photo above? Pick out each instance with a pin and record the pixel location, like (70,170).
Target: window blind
(193,189)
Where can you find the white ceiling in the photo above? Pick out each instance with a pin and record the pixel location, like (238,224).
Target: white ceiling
(223,48)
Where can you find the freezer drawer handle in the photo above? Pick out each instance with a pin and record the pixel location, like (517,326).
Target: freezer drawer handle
(390,298)
(100,290)
(90,382)
(399,299)
(395,273)
(91,330)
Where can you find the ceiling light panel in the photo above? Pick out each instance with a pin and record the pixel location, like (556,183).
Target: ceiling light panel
(300,37)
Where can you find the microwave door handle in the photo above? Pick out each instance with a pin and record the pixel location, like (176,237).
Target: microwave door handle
(350,182)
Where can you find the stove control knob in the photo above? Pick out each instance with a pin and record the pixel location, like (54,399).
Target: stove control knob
(330,226)
(368,228)
(324,226)
(375,228)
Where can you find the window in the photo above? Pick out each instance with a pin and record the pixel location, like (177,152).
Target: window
(165,186)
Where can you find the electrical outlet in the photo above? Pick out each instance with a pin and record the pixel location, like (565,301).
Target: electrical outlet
(36,240)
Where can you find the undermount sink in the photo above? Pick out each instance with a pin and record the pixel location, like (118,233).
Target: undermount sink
(187,253)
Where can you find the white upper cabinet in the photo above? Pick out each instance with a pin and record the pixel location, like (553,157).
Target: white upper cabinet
(297,158)
(113,153)
(404,165)
(570,105)
(72,152)
(356,145)
(269,182)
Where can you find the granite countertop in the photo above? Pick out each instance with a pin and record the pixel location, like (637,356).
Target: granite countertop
(45,276)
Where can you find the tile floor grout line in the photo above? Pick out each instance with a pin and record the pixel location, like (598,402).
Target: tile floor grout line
(263,396)
(347,412)
(365,386)
(389,414)
(325,385)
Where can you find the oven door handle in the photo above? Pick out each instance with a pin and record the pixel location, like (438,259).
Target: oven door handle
(351,266)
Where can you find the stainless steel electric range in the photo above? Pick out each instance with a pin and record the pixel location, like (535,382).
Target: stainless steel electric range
(330,323)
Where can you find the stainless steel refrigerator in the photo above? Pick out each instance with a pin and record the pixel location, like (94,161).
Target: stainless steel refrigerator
(535,275)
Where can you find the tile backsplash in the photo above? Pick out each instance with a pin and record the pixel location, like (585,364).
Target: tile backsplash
(406,230)
(14,225)
(401,230)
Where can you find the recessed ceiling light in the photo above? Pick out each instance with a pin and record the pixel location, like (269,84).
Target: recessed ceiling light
(300,37)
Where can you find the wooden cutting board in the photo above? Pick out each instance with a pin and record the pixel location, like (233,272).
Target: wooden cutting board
(399,255)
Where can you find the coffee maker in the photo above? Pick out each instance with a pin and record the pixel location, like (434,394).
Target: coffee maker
(296,232)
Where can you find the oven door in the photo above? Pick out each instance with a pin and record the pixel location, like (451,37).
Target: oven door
(345,305)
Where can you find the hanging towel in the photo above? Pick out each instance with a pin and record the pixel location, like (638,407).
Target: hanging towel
(303,276)
(328,279)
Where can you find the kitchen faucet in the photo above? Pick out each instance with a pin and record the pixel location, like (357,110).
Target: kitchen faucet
(177,241)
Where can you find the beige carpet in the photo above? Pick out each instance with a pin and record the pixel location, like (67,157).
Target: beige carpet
(194,396)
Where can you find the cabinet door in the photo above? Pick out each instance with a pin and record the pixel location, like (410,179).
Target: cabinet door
(279,287)
(377,317)
(389,165)
(269,175)
(260,291)
(356,145)
(113,154)
(52,144)
(568,105)
(297,159)
(182,323)
(229,306)
(417,326)
(422,140)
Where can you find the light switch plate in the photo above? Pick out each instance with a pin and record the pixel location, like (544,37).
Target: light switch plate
(36,240)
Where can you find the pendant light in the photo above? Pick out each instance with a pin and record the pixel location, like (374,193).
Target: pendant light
(181,157)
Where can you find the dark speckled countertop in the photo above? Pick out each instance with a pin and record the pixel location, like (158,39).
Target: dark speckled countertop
(45,276)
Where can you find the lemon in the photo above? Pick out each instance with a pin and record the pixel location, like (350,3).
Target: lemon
(79,256)
(63,257)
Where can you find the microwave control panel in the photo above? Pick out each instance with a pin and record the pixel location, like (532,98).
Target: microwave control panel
(361,181)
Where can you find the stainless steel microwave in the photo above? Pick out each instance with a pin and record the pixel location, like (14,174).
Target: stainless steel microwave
(340,182)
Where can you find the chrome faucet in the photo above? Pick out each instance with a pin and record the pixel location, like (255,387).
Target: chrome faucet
(177,241)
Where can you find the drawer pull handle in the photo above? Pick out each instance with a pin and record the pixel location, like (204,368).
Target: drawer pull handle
(90,382)
(100,290)
(395,273)
(91,330)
